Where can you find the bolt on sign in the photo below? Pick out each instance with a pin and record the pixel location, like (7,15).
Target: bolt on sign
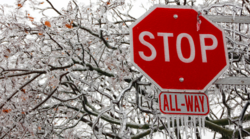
(178,49)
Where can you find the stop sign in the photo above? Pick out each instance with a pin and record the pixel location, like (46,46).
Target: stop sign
(178,49)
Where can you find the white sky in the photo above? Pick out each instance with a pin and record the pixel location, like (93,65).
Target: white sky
(137,11)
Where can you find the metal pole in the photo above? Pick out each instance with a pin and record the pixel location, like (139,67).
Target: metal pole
(229,19)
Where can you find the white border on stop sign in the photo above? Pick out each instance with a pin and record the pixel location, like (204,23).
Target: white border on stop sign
(174,90)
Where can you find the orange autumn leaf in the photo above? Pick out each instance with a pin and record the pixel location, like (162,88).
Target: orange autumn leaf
(68,26)
(8,50)
(6,56)
(23,90)
(39,128)
(23,98)
(6,110)
(41,2)
(108,3)
(47,23)
(40,34)
(19,5)
(23,112)
(31,18)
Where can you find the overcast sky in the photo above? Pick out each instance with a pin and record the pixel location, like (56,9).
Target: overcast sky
(58,4)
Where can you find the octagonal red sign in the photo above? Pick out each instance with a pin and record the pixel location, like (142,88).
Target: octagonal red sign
(178,49)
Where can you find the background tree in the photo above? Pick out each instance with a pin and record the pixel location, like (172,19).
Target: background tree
(70,75)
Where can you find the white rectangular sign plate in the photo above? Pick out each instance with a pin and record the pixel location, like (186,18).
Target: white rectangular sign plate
(184,103)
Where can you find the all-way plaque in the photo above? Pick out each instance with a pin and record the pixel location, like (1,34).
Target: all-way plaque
(184,103)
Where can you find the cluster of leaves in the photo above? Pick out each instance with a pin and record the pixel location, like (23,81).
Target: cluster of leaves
(70,76)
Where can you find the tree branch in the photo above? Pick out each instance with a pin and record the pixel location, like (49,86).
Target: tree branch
(14,93)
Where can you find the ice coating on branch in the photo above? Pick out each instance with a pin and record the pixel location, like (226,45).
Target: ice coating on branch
(198,25)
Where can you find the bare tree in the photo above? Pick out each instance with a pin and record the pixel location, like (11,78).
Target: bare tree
(70,75)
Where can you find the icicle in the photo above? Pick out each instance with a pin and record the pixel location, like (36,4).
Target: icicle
(231,86)
(203,124)
(182,121)
(191,125)
(199,124)
(168,121)
(168,129)
(186,125)
(172,123)
(231,60)
(243,61)
(172,118)
(123,124)
(182,124)
(243,87)
(247,53)
(178,127)
(194,122)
